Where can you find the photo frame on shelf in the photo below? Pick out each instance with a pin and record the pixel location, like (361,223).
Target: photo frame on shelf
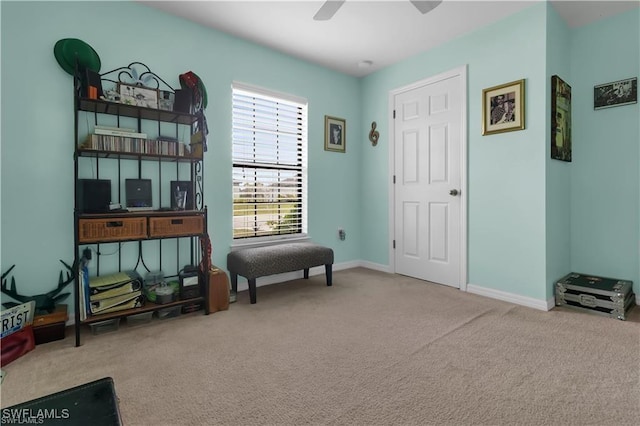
(560,119)
(335,134)
(138,95)
(617,93)
(503,108)
(166,101)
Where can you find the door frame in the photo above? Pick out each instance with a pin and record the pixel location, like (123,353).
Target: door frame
(462,73)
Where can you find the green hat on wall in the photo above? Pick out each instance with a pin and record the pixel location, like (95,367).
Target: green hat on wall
(66,51)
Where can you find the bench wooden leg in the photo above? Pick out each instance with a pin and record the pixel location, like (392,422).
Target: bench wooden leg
(234,282)
(252,290)
(327,269)
(306,274)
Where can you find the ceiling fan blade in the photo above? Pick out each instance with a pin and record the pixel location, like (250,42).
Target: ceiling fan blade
(327,10)
(425,6)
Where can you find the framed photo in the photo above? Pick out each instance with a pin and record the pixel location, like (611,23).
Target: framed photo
(560,119)
(138,95)
(334,134)
(622,92)
(503,108)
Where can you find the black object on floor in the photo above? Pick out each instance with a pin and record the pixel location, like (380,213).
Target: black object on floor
(94,403)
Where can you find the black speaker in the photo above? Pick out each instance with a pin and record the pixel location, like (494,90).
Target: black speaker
(94,195)
(182,101)
(92,79)
(189,282)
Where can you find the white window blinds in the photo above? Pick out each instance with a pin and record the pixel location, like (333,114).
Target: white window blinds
(269,163)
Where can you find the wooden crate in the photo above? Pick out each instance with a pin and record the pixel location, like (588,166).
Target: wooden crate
(172,226)
(112,229)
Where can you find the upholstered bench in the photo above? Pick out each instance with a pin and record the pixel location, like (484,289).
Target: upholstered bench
(253,263)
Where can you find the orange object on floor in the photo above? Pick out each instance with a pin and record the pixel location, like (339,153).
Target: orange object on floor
(218,290)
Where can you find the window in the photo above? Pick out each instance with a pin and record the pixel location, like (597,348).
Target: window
(269,163)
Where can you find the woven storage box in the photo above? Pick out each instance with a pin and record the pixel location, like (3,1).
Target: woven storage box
(112,229)
(175,226)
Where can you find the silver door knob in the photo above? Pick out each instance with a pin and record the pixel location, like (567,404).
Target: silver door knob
(453,192)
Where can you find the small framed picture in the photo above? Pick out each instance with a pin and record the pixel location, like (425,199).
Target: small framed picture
(166,100)
(138,95)
(618,93)
(560,120)
(334,134)
(503,108)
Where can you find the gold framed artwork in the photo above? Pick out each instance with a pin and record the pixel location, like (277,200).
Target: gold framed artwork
(560,119)
(503,108)
(335,130)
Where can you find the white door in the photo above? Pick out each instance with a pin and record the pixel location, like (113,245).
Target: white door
(428,158)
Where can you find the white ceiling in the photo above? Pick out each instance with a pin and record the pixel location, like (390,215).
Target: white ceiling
(383,32)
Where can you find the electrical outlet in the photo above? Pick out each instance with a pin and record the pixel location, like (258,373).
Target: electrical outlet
(341,234)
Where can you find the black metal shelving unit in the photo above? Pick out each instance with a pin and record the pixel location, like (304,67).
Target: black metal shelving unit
(92,111)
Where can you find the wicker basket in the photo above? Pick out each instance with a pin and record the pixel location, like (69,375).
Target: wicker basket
(175,226)
(112,229)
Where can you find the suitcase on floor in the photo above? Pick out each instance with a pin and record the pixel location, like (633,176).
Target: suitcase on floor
(599,295)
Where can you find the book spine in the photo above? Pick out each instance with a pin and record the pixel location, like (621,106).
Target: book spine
(118,129)
(120,133)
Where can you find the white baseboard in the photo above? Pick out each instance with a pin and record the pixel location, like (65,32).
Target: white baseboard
(543,305)
(375,266)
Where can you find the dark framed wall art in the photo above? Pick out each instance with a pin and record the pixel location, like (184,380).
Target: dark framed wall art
(560,119)
(617,93)
(334,134)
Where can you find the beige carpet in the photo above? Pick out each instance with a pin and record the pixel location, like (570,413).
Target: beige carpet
(374,349)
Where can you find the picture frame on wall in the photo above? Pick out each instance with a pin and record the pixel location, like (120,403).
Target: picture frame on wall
(560,119)
(503,108)
(617,93)
(138,95)
(335,134)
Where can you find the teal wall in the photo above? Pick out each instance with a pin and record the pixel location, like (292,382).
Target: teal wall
(605,179)
(506,188)
(558,173)
(531,219)
(37,124)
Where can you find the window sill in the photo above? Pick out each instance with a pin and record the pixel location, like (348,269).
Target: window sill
(268,241)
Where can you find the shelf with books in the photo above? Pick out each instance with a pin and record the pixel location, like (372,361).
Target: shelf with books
(118,295)
(100,106)
(147,307)
(121,155)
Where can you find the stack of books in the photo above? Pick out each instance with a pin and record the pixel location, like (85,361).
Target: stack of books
(111,293)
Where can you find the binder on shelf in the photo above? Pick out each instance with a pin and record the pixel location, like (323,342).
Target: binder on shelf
(102,293)
(119,302)
(113,280)
(133,303)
